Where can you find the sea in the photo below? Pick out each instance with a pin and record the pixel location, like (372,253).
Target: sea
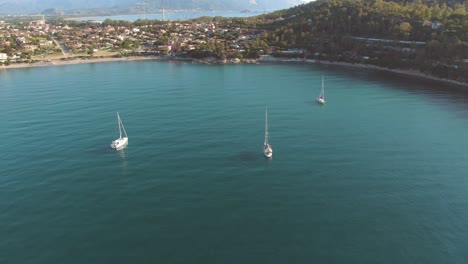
(173,15)
(379,174)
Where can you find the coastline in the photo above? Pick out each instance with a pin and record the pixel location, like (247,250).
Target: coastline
(74,61)
(408,73)
(262,60)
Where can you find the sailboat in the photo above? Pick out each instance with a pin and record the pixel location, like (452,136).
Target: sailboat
(321,97)
(267,148)
(121,142)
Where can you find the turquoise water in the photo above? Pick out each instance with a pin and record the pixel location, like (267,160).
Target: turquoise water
(377,175)
(173,15)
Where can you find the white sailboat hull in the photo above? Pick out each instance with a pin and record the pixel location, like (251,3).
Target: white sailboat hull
(320,100)
(119,143)
(268,151)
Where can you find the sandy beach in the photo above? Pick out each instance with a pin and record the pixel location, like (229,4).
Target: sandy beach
(74,61)
(263,59)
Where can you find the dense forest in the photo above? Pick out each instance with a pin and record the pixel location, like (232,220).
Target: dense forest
(427,35)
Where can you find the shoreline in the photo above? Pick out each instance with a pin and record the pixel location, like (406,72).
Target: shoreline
(408,73)
(74,61)
(262,60)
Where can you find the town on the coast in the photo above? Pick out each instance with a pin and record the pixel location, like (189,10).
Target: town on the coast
(431,39)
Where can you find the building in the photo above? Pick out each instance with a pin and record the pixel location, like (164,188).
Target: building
(3,57)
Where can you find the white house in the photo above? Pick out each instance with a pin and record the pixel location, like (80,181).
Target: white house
(436,24)
(3,57)
(46,43)
(22,40)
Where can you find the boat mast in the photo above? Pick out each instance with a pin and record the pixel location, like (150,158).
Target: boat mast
(266,126)
(118,121)
(125,132)
(323,89)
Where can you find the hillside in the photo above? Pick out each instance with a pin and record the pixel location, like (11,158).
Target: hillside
(429,37)
(376,18)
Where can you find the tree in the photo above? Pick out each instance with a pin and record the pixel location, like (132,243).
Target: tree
(405,29)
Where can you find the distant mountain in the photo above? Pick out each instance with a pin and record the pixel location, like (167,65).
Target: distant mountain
(53,12)
(36,6)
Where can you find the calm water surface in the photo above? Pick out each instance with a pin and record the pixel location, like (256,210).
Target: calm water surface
(171,15)
(377,175)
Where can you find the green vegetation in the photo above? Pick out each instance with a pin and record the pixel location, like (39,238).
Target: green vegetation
(430,36)
(426,35)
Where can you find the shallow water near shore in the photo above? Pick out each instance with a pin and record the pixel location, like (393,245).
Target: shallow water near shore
(377,175)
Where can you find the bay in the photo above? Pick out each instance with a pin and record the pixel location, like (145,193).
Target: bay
(172,15)
(377,175)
